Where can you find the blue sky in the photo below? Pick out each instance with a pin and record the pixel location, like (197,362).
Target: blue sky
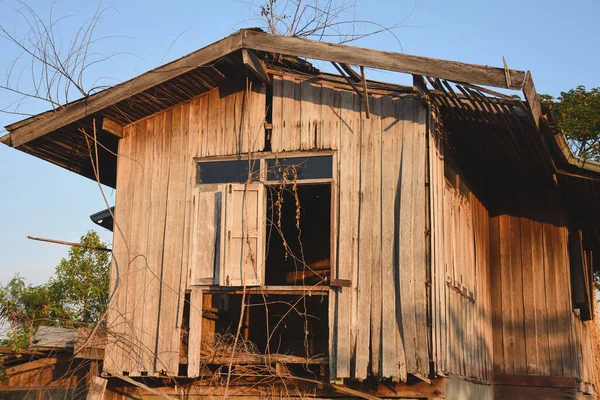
(557,40)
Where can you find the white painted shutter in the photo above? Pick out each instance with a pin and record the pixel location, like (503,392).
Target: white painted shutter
(244,239)
(206,235)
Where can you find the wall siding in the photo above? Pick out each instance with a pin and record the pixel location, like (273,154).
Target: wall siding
(156,174)
(537,332)
(378,323)
(462,327)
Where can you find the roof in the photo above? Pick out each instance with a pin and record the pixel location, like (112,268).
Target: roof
(53,338)
(507,137)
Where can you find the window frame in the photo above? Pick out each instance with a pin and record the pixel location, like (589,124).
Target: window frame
(262,157)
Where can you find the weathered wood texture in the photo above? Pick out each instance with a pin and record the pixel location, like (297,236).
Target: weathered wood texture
(536,330)
(156,175)
(461,280)
(379,321)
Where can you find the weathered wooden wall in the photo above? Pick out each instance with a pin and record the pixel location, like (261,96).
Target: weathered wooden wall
(536,330)
(156,174)
(381,225)
(461,281)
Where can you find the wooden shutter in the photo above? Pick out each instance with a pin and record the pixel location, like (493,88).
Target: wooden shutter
(244,238)
(206,235)
(581,277)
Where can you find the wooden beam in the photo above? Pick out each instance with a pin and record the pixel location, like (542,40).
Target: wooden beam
(145,387)
(452,70)
(366,93)
(347,78)
(82,108)
(352,73)
(256,66)
(532,98)
(113,127)
(41,363)
(73,244)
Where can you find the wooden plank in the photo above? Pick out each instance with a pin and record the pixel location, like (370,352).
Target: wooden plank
(214,129)
(113,127)
(195,333)
(101,100)
(365,249)
(406,240)
(531,339)
(554,328)
(373,126)
(137,357)
(254,118)
(171,294)
(346,223)
(456,71)
(535,381)
(505,248)
(277,130)
(116,320)
(255,65)
(157,197)
(389,179)
(37,364)
(290,133)
(539,298)
(205,236)
(97,388)
(518,318)
(420,237)
(533,100)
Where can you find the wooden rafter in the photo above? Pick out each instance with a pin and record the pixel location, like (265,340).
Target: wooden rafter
(112,127)
(256,66)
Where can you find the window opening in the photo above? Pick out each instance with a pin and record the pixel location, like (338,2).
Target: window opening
(299,168)
(234,171)
(298,230)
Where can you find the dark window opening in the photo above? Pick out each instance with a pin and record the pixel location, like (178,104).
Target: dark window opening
(298,235)
(235,171)
(319,167)
(294,325)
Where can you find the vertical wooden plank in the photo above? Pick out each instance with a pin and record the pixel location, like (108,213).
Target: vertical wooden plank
(354,121)
(97,388)
(116,319)
(290,138)
(139,357)
(520,350)
(407,243)
(346,223)
(420,238)
(253,128)
(507,288)
(373,126)
(565,311)
(531,345)
(172,295)
(164,131)
(539,297)
(551,302)
(195,333)
(328,133)
(214,130)
(389,137)
(363,324)
(277,113)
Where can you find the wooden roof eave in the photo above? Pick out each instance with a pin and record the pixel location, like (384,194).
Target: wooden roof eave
(27,130)
(23,132)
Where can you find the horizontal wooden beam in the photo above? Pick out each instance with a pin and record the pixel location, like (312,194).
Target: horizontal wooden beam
(256,66)
(452,70)
(113,127)
(82,108)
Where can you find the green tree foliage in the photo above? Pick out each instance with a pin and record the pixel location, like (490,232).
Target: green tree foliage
(577,113)
(76,295)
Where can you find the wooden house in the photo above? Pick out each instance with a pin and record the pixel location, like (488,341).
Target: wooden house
(280,231)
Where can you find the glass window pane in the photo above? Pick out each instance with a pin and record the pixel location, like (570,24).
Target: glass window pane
(299,168)
(227,171)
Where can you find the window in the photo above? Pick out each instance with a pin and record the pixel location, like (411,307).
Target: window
(265,231)
(582,288)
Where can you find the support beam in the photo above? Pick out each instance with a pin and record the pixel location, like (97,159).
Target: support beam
(350,82)
(532,99)
(366,94)
(352,73)
(452,70)
(23,132)
(255,65)
(113,127)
